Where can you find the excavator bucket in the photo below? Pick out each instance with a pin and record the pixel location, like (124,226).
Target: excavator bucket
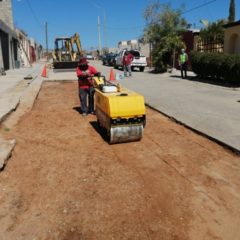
(65,65)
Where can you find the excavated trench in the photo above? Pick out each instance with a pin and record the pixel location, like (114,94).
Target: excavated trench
(64,181)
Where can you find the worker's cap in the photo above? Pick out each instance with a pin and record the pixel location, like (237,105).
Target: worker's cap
(83,61)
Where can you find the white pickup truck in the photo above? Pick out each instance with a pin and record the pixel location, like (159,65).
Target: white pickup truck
(138,61)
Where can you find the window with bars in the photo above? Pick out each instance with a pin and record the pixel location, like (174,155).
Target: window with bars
(210,46)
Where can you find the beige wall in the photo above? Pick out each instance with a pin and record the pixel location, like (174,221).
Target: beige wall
(144,49)
(24,45)
(134,44)
(232,39)
(6,12)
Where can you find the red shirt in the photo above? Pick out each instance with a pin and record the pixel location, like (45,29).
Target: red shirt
(127,59)
(85,77)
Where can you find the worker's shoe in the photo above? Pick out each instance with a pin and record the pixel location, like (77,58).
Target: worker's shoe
(92,112)
(84,114)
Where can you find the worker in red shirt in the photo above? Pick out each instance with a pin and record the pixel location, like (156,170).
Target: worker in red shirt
(127,60)
(85,84)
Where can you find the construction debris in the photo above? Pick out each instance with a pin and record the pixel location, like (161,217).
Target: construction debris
(2,72)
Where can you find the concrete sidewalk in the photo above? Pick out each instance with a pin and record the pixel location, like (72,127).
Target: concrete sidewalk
(13,87)
(13,76)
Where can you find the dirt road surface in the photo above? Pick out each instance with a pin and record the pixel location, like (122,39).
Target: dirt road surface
(65,182)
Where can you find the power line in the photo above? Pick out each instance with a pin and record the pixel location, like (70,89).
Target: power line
(187,11)
(33,13)
(94,4)
(199,6)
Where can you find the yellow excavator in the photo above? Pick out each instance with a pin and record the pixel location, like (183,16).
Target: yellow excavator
(120,112)
(67,52)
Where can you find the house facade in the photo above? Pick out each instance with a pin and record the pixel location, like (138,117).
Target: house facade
(135,44)
(8,38)
(232,38)
(24,48)
(16,48)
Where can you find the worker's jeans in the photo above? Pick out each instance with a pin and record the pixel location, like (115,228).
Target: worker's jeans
(83,93)
(127,68)
(184,69)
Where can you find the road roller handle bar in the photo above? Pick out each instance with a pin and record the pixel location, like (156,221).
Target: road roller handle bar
(99,81)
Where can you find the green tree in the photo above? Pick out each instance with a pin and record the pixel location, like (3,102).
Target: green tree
(231,17)
(214,31)
(163,27)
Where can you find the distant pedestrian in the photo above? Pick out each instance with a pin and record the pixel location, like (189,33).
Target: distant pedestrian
(127,60)
(85,75)
(183,61)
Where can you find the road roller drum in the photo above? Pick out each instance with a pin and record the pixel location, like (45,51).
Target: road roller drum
(120,113)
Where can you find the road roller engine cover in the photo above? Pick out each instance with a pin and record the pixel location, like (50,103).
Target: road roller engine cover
(120,112)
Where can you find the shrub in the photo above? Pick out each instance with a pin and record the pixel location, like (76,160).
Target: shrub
(236,70)
(226,68)
(217,66)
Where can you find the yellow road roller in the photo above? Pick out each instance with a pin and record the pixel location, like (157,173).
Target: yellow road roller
(120,112)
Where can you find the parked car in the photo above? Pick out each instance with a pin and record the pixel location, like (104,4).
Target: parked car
(109,59)
(139,61)
(89,57)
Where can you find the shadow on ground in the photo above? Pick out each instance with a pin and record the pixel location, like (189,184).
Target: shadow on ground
(208,81)
(77,109)
(153,71)
(101,131)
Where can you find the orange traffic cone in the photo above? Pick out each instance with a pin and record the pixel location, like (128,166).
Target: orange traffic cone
(44,72)
(112,75)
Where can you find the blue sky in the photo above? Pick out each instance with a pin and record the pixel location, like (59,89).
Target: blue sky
(124,18)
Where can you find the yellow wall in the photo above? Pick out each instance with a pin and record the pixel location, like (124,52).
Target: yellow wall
(232,39)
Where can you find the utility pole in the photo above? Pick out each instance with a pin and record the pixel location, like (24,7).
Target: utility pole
(105,30)
(46,34)
(99,37)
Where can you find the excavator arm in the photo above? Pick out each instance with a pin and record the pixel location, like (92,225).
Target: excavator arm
(75,39)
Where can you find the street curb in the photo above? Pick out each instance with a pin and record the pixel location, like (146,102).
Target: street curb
(59,80)
(18,94)
(6,149)
(26,102)
(223,144)
(31,93)
(6,115)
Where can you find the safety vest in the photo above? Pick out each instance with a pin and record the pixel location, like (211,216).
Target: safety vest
(183,58)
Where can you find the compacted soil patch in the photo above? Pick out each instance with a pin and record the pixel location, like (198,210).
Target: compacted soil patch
(65,182)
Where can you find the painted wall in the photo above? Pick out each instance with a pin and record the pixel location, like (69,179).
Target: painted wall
(232,40)
(24,46)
